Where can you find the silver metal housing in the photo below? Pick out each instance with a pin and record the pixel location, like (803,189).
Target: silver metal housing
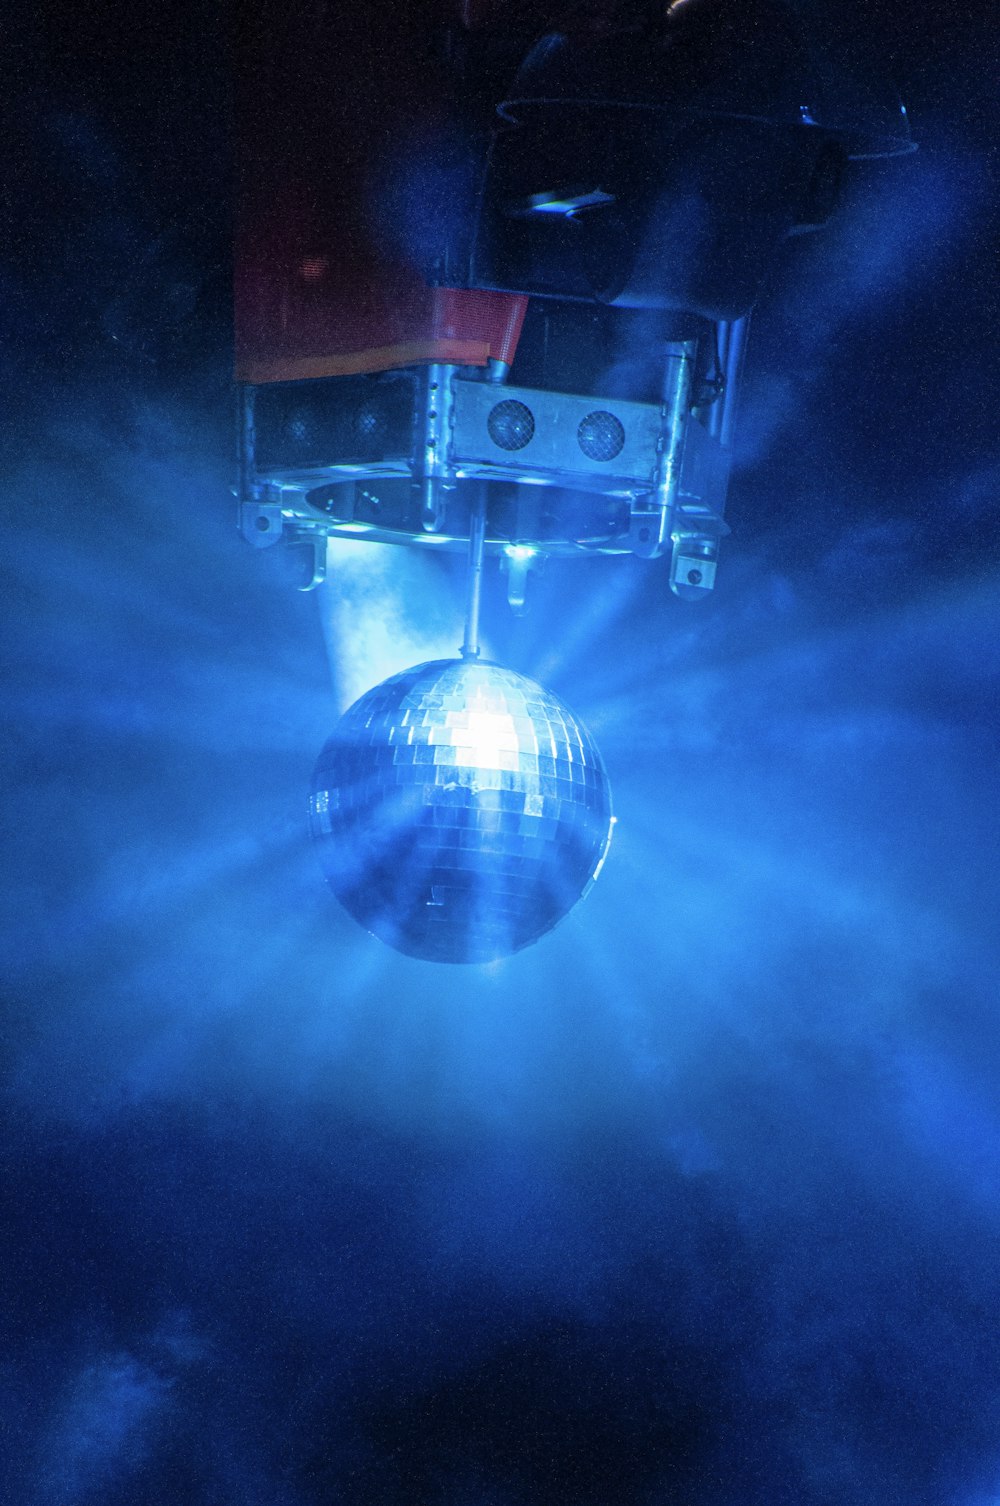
(399,457)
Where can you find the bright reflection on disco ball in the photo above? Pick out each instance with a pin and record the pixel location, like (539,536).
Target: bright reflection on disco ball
(460,811)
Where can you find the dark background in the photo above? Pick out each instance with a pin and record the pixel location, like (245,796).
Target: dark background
(696,1201)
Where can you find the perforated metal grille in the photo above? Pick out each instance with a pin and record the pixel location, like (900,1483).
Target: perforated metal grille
(370,422)
(511,424)
(601,436)
(300,426)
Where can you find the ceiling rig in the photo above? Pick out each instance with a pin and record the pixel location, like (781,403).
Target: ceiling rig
(414,456)
(508,251)
(494,265)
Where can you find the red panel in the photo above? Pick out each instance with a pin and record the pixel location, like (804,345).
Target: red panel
(333,102)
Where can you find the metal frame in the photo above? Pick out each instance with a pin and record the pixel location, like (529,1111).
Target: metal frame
(670,471)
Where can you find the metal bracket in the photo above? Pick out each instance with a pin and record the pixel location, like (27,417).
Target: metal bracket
(319,548)
(261,522)
(433,446)
(649,527)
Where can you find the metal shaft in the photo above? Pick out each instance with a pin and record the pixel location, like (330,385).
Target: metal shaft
(722,415)
(477,544)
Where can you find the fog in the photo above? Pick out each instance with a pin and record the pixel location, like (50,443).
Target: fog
(694,1201)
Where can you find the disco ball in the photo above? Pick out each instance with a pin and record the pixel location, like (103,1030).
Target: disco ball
(460,811)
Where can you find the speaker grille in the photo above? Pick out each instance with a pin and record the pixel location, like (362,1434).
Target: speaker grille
(601,436)
(511,424)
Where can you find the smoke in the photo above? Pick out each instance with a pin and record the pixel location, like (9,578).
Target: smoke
(390,609)
(903,227)
(695,1200)
(102,1427)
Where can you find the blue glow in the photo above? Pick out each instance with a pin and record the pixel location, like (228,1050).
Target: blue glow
(100,1433)
(695,1200)
(460,811)
(769,1032)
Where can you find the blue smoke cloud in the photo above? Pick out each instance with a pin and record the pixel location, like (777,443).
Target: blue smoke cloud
(696,1196)
(695,1200)
(101,1429)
